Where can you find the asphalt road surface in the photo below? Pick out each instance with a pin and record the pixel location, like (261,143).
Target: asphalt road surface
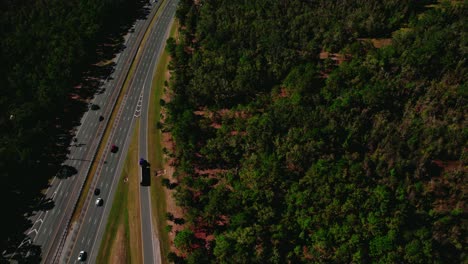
(151,248)
(134,105)
(49,226)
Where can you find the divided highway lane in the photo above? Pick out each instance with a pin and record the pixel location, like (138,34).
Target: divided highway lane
(93,224)
(49,226)
(151,246)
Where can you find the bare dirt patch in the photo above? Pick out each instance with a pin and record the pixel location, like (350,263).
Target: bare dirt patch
(118,247)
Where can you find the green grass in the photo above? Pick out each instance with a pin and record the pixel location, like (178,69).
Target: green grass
(158,199)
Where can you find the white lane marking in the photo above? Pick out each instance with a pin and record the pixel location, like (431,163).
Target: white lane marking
(24,242)
(50,232)
(112,169)
(89,221)
(34,230)
(39,216)
(45,229)
(89,240)
(107,184)
(58,211)
(82,240)
(95,221)
(55,193)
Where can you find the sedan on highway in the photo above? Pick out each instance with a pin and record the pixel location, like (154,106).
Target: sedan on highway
(114,148)
(82,256)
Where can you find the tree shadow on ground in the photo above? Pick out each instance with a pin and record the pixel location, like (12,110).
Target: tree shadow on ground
(66,171)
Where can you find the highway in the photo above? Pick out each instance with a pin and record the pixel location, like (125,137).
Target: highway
(88,235)
(151,251)
(49,227)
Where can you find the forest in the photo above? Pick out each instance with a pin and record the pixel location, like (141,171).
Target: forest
(316,131)
(47,50)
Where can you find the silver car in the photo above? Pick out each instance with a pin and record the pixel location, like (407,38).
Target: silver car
(99,201)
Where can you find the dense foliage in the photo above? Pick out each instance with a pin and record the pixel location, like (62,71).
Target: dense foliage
(284,157)
(45,48)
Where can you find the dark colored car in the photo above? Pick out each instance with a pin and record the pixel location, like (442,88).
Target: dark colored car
(82,256)
(97,191)
(114,148)
(101,118)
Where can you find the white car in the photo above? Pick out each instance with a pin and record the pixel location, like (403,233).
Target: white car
(82,256)
(99,201)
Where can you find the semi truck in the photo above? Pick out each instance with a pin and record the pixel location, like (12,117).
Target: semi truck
(145,172)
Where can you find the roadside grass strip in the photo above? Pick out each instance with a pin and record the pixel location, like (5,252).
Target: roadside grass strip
(158,199)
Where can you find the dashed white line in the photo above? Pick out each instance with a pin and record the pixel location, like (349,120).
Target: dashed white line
(39,216)
(34,230)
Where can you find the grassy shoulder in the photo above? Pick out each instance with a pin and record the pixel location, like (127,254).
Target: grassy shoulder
(122,238)
(158,199)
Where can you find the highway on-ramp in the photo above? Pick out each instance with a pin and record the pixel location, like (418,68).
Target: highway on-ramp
(151,250)
(134,105)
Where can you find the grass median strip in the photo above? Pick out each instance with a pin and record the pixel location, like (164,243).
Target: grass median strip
(122,236)
(158,200)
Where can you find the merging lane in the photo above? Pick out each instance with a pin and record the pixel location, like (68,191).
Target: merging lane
(151,248)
